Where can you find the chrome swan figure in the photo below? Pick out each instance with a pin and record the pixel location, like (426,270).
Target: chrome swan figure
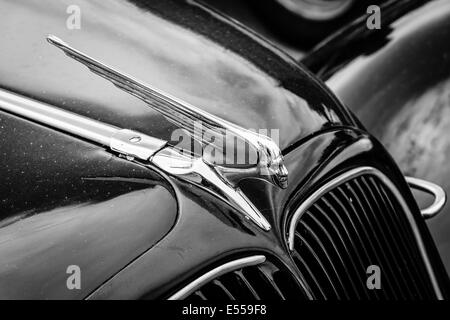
(220,179)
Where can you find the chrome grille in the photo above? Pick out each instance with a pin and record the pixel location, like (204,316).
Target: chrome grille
(262,281)
(354,224)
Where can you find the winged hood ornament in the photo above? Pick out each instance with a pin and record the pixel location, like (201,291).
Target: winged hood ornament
(220,179)
(269,160)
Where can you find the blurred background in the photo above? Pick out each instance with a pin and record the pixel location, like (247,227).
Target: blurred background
(294,25)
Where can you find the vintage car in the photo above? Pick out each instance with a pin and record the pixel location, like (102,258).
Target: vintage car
(100,200)
(397,81)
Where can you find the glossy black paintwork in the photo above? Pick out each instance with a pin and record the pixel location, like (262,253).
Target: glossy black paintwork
(134,231)
(66,202)
(400,90)
(190,250)
(181,48)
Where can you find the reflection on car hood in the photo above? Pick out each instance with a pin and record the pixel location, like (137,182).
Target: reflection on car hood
(181,48)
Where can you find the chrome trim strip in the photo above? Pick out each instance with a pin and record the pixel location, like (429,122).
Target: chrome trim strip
(133,144)
(388,183)
(127,142)
(440,197)
(57,118)
(217,272)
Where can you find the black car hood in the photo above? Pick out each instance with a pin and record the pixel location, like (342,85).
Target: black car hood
(66,202)
(183,49)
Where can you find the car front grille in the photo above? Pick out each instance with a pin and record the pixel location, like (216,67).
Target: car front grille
(350,226)
(264,281)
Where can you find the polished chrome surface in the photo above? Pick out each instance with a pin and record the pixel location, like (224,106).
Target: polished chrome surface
(126,142)
(306,204)
(135,144)
(217,272)
(56,117)
(132,144)
(440,197)
(206,177)
(269,164)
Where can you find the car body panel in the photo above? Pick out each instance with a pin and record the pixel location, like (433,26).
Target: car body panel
(133,230)
(65,202)
(400,91)
(189,251)
(235,77)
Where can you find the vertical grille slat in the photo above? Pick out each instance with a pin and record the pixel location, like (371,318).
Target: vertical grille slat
(364,224)
(308,274)
(407,240)
(213,292)
(382,247)
(325,279)
(339,229)
(328,260)
(228,294)
(376,258)
(266,280)
(272,285)
(351,225)
(342,256)
(200,295)
(362,238)
(391,242)
(247,285)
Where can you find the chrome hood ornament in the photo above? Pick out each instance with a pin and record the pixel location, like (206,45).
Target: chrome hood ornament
(219,179)
(268,164)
